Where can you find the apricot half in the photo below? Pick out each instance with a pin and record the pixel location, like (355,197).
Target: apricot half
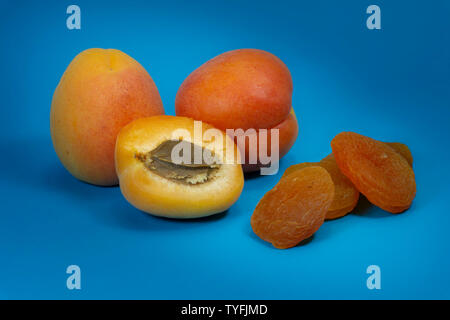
(242,89)
(99,93)
(177,167)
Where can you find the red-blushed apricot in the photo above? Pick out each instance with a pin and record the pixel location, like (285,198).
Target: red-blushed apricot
(378,171)
(345,194)
(242,89)
(295,208)
(99,93)
(152,179)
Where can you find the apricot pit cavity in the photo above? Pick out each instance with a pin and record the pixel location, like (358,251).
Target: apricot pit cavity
(160,162)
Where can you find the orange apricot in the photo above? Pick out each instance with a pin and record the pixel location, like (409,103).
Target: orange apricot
(99,93)
(242,89)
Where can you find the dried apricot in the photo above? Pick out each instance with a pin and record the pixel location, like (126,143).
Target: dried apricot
(345,194)
(295,208)
(376,169)
(403,150)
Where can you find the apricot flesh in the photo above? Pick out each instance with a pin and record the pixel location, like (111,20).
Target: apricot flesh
(100,92)
(154,183)
(242,89)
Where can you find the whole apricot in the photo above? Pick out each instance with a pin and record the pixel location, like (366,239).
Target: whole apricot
(99,93)
(159,172)
(242,89)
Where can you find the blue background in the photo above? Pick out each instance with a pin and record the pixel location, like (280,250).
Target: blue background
(391,84)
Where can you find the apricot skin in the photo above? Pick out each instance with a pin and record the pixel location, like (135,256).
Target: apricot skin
(241,89)
(99,93)
(159,196)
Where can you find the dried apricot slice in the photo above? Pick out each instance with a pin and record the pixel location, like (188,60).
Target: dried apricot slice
(345,194)
(295,208)
(376,169)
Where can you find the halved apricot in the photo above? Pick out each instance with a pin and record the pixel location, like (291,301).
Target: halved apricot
(177,167)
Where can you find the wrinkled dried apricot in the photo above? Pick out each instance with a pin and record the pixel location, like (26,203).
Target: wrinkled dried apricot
(376,169)
(295,208)
(345,194)
(403,150)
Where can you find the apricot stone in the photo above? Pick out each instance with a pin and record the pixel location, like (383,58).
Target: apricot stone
(242,89)
(99,93)
(152,180)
